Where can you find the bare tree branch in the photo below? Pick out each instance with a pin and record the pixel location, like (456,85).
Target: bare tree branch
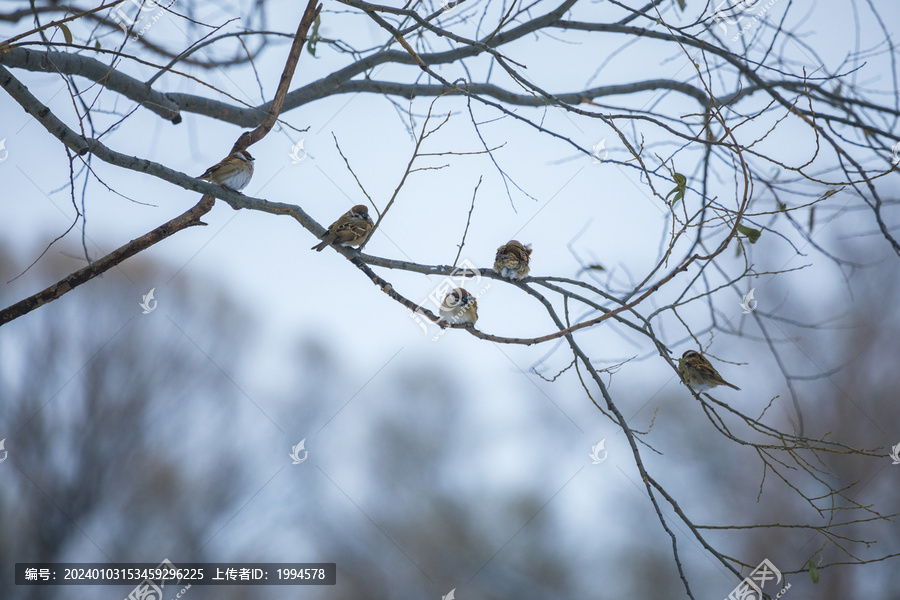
(187,219)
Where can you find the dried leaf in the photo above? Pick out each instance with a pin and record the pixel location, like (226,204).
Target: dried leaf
(66,33)
(830,193)
(314,36)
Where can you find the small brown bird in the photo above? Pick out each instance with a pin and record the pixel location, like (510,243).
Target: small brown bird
(233,172)
(698,373)
(351,229)
(459,306)
(512,260)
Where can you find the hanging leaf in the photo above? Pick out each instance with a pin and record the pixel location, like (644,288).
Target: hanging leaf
(314,36)
(831,193)
(812,218)
(66,33)
(679,189)
(751,234)
(813,571)
(682,4)
(97,44)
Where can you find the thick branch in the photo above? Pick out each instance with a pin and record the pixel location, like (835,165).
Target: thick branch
(96,71)
(82,145)
(182,221)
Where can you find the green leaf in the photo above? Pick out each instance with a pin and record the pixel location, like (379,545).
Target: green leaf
(813,571)
(594,268)
(314,36)
(752,234)
(679,189)
(97,44)
(66,33)
(682,4)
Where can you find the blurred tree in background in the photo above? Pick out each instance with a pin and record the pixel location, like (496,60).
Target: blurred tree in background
(146,453)
(751,150)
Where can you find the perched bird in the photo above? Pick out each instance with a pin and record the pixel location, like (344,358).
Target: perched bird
(459,306)
(512,260)
(233,172)
(698,373)
(351,229)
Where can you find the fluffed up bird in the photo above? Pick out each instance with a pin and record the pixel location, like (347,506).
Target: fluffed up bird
(351,229)
(512,260)
(698,373)
(234,172)
(459,306)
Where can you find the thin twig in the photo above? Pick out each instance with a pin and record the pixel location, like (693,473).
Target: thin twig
(468,220)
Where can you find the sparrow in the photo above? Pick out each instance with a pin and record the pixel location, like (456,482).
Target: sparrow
(233,172)
(351,229)
(698,373)
(512,260)
(459,306)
